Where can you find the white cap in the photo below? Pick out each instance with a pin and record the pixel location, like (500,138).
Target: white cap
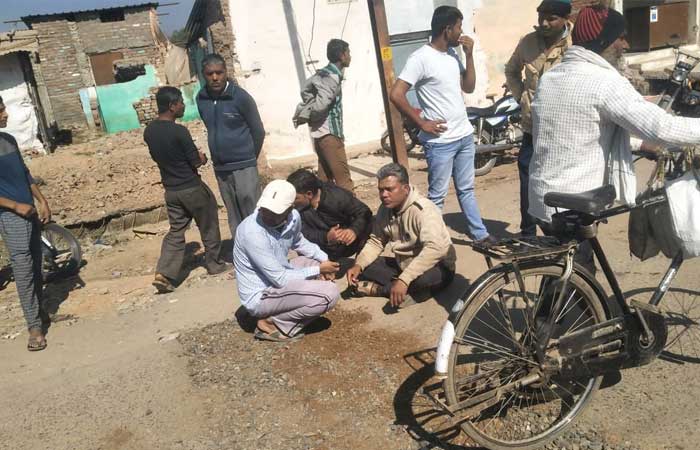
(278,196)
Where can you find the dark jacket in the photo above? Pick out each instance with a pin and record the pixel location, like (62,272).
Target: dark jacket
(236,133)
(336,207)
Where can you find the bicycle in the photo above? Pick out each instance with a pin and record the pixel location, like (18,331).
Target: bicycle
(61,253)
(526,348)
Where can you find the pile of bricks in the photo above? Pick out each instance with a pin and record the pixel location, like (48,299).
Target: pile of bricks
(146,108)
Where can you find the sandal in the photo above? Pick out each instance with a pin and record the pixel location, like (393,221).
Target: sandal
(36,343)
(162,284)
(365,289)
(276,336)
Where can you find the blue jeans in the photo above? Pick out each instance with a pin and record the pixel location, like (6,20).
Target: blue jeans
(528,225)
(455,159)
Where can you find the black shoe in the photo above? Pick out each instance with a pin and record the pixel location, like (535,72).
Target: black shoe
(488,241)
(221,268)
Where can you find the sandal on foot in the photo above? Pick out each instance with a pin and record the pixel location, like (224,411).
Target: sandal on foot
(36,343)
(162,284)
(366,289)
(275,336)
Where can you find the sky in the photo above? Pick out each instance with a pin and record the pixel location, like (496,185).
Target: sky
(14,9)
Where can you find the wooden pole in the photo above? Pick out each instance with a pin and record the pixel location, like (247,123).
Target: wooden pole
(385,62)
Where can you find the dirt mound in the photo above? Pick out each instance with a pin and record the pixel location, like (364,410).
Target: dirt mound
(105,177)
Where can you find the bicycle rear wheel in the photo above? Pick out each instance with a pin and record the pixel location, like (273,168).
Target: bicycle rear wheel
(493,350)
(61,252)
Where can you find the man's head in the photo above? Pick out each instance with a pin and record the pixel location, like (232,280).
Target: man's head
(3,114)
(602,31)
(447,24)
(393,185)
(169,100)
(276,202)
(307,186)
(338,52)
(553,16)
(214,70)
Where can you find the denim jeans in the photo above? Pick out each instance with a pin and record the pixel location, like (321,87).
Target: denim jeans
(528,225)
(455,159)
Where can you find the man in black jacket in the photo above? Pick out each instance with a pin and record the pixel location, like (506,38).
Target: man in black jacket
(235,135)
(331,217)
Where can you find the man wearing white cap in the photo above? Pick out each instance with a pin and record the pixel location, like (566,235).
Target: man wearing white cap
(283,295)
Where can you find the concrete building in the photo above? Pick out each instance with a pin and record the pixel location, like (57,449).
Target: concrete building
(85,49)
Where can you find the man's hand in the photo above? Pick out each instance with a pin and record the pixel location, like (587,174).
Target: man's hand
(329,268)
(399,289)
(467,44)
(353,274)
(347,236)
(24,209)
(44,212)
(333,234)
(203,158)
(433,126)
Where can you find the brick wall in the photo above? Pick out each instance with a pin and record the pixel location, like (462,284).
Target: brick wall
(65,47)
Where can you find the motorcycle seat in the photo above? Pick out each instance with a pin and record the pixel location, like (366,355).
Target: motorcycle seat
(590,202)
(482,112)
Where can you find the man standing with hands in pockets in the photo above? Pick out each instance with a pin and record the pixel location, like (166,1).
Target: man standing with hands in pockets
(439,77)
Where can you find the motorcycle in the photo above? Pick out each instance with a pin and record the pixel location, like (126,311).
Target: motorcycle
(496,129)
(680,95)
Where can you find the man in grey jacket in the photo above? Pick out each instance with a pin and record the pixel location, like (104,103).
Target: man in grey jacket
(322,109)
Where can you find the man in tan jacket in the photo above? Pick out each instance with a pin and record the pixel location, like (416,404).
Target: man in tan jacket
(411,229)
(535,54)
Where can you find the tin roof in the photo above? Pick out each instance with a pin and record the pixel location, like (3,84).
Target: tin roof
(19,41)
(37,17)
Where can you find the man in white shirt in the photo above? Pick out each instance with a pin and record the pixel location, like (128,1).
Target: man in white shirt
(439,78)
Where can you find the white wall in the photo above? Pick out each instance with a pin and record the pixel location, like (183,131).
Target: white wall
(263,42)
(22,123)
(267,57)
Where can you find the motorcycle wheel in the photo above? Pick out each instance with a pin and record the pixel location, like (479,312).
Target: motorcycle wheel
(386,142)
(62,255)
(484,163)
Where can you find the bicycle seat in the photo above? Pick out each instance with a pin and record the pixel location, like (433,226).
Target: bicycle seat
(589,202)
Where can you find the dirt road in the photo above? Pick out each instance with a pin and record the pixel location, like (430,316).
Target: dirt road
(126,369)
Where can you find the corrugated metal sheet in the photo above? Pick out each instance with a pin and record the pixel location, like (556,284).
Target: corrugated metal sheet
(19,41)
(35,17)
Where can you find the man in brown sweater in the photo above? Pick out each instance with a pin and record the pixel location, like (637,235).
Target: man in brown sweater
(411,227)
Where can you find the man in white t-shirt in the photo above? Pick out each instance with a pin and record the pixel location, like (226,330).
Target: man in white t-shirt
(439,78)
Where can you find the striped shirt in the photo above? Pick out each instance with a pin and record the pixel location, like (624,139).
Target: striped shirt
(260,256)
(581,109)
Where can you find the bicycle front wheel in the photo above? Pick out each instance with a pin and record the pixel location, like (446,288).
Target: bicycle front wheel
(493,352)
(62,254)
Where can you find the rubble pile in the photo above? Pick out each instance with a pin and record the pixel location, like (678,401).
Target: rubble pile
(105,177)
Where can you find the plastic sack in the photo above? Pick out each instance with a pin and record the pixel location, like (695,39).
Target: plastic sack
(651,230)
(684,206)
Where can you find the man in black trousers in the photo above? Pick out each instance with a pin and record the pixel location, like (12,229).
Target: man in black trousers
(187,197)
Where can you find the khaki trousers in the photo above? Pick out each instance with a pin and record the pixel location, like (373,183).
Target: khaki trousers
(333,162)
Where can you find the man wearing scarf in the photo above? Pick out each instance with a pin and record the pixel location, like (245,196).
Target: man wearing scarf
(583,113)
(536,53)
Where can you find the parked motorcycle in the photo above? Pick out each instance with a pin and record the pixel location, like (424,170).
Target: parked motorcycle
(680,94)
(496,129)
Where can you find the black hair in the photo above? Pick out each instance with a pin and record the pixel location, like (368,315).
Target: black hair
(166,96)
(213,58)
(444,17)
(335,49)
(394,170)
(304,181)
(2,101)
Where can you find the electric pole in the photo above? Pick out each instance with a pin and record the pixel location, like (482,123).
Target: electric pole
(385,62)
